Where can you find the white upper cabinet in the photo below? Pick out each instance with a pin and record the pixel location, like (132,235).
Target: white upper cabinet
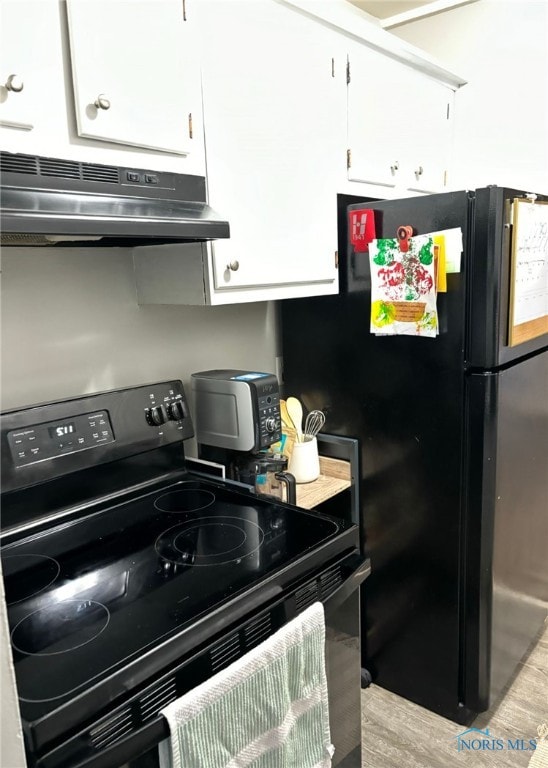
(135,73)
(376,124)
(131,97)
(279,117)
(399,124)
(426,164)
(29,62)
(273,107)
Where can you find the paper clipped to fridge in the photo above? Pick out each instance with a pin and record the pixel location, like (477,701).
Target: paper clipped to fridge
(440,263)
(404,285)
(453,248)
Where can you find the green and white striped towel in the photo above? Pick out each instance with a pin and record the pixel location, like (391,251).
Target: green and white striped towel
(268,709)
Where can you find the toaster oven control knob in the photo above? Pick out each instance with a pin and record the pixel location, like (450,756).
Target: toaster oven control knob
(270,424)
(176,411)
(156,416)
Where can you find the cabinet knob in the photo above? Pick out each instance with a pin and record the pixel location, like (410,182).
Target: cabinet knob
(419,172)
(101,102)
(234,266)
(395,167)
(14,83)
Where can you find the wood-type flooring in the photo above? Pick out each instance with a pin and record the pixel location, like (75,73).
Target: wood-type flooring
(399,734)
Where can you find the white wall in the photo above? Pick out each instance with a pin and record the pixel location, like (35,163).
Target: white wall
(11,739)
(501,129)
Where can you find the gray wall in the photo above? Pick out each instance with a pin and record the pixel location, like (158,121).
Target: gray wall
(71,325)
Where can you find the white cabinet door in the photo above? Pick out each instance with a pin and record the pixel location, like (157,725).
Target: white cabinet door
(136,78)
(28,58)
(399,124)
(427,158)
(272,108)
(377,118)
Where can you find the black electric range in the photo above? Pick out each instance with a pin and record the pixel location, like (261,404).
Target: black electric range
(121,568)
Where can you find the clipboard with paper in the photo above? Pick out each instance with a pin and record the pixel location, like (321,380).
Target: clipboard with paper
(528,315)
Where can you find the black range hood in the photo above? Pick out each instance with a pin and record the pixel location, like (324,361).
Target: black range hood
(48,201)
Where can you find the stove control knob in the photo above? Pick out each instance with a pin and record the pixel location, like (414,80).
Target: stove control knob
(176,410)
(270,424)
(156,416)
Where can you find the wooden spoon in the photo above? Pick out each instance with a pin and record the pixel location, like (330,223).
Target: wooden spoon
(295,411)
(286,418)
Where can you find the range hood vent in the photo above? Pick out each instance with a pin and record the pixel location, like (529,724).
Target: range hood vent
(19,163)
(50,201)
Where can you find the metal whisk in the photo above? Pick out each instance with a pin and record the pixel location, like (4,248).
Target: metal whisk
(314,422)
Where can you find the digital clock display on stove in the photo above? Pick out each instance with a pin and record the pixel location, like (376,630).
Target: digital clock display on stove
(61,430)
(50,440)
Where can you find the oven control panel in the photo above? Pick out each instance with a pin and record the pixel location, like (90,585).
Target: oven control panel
(48,440)
(57,438)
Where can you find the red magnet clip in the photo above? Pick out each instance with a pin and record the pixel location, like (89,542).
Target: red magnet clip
(362,228)
(403,235)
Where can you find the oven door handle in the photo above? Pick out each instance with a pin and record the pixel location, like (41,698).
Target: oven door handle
(125,750)
(361,569)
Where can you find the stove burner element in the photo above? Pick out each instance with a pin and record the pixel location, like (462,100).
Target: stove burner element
(187,500)
(209,541)
(67,625)
(27,575)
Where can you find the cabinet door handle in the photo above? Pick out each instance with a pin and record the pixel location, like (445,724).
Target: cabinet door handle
(101,102)
(395,167)
(234,266)
(419,172)
(14,83)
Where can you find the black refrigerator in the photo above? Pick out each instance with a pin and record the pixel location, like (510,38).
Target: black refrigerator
(453,435)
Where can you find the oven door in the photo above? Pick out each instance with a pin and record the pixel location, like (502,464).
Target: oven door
(337,586)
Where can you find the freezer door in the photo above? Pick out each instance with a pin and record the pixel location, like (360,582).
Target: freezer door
(489,279)
(504,567)
(429,213)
